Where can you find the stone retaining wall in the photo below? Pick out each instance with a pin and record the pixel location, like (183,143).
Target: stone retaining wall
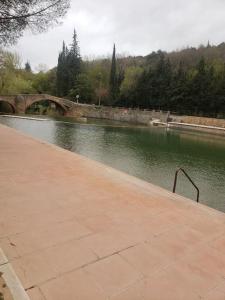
(135,116)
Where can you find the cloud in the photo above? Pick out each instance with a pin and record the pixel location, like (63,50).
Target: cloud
(137,27)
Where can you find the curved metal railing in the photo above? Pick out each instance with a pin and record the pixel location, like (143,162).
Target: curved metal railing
(188,177)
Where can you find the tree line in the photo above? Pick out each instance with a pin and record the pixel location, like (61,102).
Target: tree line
(190,81)
(198,90)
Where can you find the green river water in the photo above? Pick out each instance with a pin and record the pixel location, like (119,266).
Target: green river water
(150,153)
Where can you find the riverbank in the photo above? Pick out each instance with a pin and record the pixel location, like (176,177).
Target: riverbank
(73,228)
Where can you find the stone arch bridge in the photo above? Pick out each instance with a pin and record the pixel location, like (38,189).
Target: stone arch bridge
(20,103)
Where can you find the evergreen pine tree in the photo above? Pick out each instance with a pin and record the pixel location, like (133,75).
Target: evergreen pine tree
(27,67)
(73,62)
(219,100)
(69,67)
(161,81)
(199,87)
(178,94)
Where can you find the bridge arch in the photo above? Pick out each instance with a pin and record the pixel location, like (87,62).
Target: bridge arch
(30,103)
(8,104)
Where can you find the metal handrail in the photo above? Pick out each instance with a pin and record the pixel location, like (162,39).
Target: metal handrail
(189,178)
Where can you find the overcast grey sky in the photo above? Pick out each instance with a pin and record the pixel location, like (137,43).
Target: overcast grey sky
(137,28)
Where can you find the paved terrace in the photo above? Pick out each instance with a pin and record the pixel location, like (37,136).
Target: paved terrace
(74,229)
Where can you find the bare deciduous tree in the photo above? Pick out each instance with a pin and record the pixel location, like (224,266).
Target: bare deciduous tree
(18,15)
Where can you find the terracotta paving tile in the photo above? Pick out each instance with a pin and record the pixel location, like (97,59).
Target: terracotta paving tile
(188,235)
(133,232)
(89,210)
(208,225)
(35,294)
(52,262)
(171,248)
(215,294)
(158,224)
(136,210)
(98,223)
(175,217)
(187,276)
(221,287)
(134,292)
(113,274)
(166,287)
(124,215)
(69,256)
(19,223)
(145,258)
(25,206)
(9,250)
(12,225)
(177,242)
(156,288)
(34,269)
(29,242)
(197,215)
(208,259)
(75,285)
(143,231)
(108,242)
(218,244)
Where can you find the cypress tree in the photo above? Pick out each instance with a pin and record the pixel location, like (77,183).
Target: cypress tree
(59,75)
(113,78)
(62,72)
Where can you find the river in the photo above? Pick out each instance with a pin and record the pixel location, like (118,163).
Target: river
(150,153)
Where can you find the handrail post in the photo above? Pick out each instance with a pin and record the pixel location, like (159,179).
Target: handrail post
(175,181)
(189,178)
